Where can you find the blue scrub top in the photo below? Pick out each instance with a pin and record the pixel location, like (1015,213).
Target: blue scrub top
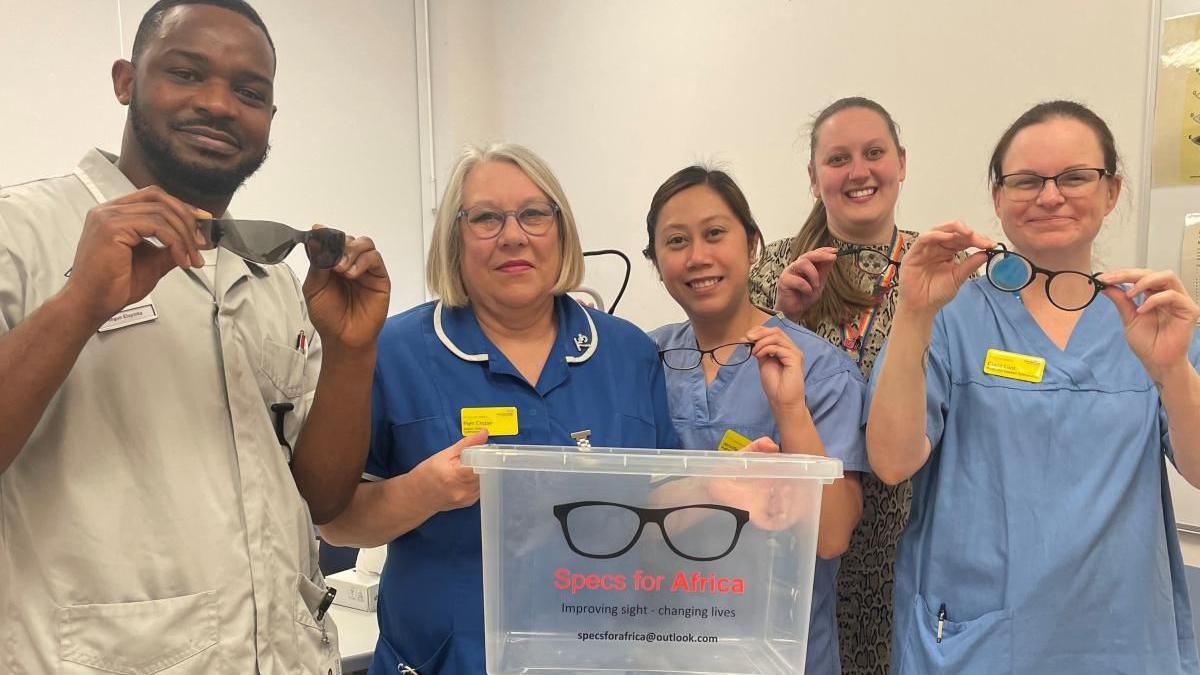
(602,374)
(1043,518)
(833,391)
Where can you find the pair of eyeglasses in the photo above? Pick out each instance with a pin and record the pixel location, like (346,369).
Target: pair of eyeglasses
(269,243)
(870,261)
(1010,271)
(687,358)
(1025,187)
(608,530)
(485,222)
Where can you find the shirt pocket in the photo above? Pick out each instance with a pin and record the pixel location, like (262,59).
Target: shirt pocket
(283,367)
(176,635)
(316,640)
(980,644)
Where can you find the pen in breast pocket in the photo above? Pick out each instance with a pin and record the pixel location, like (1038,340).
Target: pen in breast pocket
(301,341)
(941,621)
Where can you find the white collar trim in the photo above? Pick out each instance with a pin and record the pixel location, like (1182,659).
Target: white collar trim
(477,358)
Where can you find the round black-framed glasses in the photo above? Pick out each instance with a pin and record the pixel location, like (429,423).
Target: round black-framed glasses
(1011,272)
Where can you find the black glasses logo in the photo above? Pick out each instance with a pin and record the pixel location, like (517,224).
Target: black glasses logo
(608,530)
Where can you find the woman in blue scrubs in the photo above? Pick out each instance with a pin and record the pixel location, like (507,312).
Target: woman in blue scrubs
(503,348)
(1034,408)
(791,385)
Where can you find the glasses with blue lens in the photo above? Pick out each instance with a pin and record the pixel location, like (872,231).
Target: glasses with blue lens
(687,358)
(1067,290)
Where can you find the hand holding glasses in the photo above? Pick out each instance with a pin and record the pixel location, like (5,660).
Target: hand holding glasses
(486,222)
(269,243)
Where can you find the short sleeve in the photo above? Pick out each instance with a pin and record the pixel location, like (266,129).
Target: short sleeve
(13,282)
(380,464)
(937,382)
(1163,422)
(836,406)
(664,428)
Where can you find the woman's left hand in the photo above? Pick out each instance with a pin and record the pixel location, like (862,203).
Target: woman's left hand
(1159,330)
(780,366)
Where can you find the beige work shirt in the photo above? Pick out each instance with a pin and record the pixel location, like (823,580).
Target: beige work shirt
(151,523)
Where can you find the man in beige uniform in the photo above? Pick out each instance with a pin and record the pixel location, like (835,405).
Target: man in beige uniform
(150,520)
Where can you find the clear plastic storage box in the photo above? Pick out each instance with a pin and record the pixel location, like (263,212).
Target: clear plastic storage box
(615,560)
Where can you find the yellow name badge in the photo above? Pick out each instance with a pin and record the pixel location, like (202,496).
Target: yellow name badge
(497,421)
(732,441)
(1014,366)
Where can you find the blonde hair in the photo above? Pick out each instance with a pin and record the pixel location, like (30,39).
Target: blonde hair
(442,266)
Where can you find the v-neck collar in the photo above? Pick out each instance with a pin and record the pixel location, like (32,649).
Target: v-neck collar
(715,390)
(1072,358)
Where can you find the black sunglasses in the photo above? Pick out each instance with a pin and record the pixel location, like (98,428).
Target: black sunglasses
(269,243)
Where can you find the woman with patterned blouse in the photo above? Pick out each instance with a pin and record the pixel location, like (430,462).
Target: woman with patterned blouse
(837,277)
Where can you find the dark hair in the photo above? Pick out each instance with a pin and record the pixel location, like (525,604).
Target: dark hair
(153,18)
(842,297)
(1044,112)
(694,175)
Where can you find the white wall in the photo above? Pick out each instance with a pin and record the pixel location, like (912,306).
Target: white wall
(618,94)
(615,94)
(344,143)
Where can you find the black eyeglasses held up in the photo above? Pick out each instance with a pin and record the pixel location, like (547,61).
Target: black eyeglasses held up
(608,530)
(687,358)
(872,262)
(1010,271)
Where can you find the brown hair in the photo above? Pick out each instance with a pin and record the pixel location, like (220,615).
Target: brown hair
(842,296)
(720,182)
(1044,112)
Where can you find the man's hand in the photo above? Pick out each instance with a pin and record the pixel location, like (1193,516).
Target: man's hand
(348,303)
(115,265)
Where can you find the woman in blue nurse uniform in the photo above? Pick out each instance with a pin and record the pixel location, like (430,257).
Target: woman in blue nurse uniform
(1034,421)
(792,386)
(503,335)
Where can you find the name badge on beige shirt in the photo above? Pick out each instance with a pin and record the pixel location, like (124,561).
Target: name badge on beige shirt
(133,314)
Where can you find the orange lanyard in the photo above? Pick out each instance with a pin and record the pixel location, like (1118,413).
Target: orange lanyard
(854,334)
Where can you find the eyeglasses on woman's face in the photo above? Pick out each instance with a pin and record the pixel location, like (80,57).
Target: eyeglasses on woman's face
(1025,186)
(486,222)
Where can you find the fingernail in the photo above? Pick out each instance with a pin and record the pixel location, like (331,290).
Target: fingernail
(201,213)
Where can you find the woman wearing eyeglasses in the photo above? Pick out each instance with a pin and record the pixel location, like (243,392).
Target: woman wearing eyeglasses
(838,277)
(1032,409)
(789,384)
(503,348)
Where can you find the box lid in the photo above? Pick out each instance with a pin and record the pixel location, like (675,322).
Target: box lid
(650,462)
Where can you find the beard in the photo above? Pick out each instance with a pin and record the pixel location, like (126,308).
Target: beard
(175,172)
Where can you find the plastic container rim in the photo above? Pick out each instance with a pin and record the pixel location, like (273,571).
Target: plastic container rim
(651,462)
